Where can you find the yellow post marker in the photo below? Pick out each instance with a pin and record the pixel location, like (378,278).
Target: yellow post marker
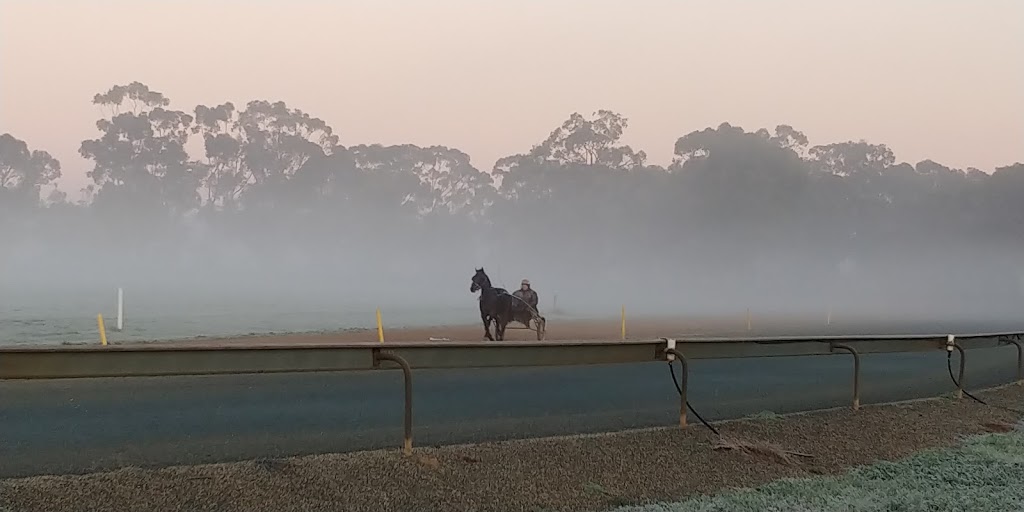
(380,328)
(103,330)
(623,321)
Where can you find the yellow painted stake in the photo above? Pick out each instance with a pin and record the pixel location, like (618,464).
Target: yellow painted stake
(103,330)
(380,328)
(623,321)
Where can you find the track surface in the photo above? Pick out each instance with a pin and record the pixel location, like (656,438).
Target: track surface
(72,426)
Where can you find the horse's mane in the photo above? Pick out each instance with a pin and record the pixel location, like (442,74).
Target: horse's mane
(487,280)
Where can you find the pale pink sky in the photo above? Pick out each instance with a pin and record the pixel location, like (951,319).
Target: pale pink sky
(930,78)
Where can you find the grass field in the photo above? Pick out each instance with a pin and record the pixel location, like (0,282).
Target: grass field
(984,473)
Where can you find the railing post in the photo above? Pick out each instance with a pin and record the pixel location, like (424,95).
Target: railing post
(1020,358)
(960,378)
(379,356)
(856,371)
(683,383)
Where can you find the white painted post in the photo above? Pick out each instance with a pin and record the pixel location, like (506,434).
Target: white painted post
(828,319)
(120,309)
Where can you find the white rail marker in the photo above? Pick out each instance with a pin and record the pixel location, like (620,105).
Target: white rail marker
(120,309)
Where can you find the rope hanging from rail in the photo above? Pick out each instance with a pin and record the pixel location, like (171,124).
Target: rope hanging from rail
(679,390)
(949,366)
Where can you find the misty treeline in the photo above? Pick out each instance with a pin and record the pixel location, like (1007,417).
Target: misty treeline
(266,192)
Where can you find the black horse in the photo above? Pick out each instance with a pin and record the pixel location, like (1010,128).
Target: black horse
(495,304)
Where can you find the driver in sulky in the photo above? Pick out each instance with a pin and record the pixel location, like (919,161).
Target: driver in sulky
(526,293)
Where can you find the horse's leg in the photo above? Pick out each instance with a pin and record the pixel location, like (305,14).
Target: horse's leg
(487,326)
(499,328)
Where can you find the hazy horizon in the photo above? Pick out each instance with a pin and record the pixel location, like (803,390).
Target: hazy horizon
(212,217)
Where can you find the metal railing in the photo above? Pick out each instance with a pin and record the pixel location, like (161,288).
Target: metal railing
(53,362)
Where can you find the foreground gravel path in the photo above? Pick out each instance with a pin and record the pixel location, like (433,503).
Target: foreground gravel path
(578,473)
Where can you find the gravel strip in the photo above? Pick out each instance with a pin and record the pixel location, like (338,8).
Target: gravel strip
(573,473)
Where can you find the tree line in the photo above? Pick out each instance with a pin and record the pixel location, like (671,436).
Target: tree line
(265,169)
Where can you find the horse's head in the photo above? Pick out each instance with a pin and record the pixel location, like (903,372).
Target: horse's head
(480,281)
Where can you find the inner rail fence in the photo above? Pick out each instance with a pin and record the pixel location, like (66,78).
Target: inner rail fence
(90,361)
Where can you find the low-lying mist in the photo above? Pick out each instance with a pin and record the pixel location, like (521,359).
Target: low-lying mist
(262,206)
(693,276)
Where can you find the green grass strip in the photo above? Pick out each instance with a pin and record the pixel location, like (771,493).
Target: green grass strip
(981,474)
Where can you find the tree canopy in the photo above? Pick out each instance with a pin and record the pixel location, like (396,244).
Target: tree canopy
(752,198)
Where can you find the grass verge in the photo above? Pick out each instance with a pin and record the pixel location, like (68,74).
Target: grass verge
(983,473)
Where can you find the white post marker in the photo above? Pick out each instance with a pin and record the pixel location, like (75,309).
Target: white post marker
(120,309)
